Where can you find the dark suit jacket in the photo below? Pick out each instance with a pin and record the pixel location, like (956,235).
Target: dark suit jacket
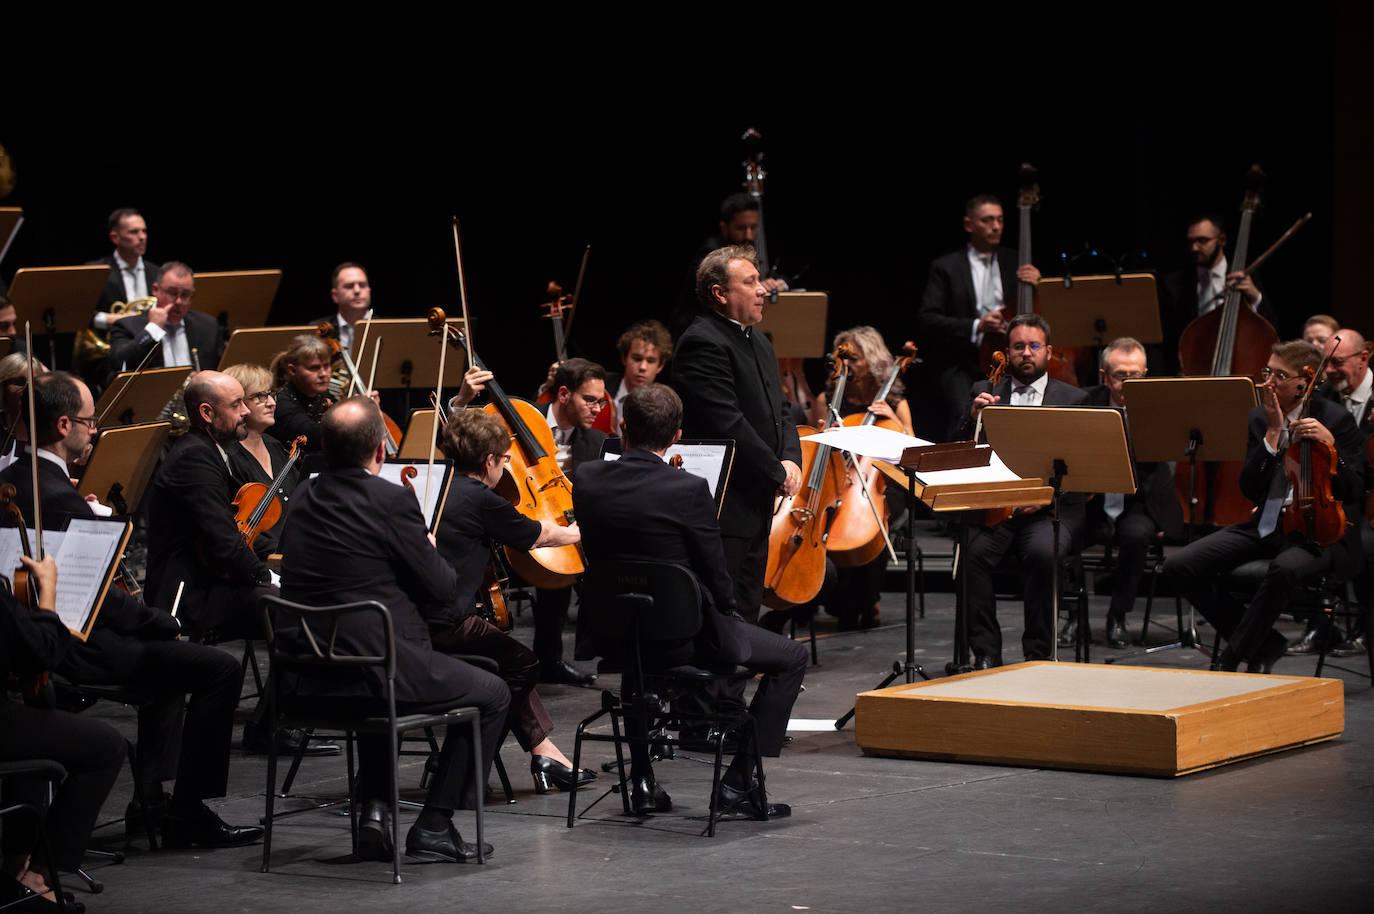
(1057,393)
(639,507)
(130,342)
(730,388)
(585,445)
(1366,427)
(1154,483)
(949,305)
(192,537)
(112,651)
(1178,308)
(323,564)
(114,286)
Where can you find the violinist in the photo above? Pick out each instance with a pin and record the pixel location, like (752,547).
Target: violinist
(963,299)
(170,326)
(259,457)
(136,646)
(14,377)
(476,519)
(1275,424)
(1028,533)
(352,296)
(301,378)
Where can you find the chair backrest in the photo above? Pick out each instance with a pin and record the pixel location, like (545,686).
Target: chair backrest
(663,599)
(322,639)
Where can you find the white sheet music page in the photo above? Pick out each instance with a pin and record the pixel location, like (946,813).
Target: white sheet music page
(84,553)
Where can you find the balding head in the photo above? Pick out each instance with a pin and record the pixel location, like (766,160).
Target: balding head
(1349,362)
(214,402)
(352,432)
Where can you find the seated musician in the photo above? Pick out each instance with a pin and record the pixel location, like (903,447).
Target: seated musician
(32,642)
(1128,522)
(1028,533)
(9,321)
(131,276)
(135,645)
(14,377)
(1319,328)
(475,520)
(417,586)
(352,296)
(645,348)
(639,507)
(1293,558)
(258,457)
(301,378)
(178,335)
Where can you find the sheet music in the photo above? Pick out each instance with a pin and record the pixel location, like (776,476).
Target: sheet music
(869,441)
(391,472)
(706,461)
(995,471)
(84,554)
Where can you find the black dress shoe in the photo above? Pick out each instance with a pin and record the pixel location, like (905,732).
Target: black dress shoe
(1309,643)
(1068,635)
(374,833)
(550,773)
(1117,636)
(646,797)
(442,846)
(983,662)
(1270,651)
(288,742)
(1356,645)
(560,673)
(748,804)
(202,828)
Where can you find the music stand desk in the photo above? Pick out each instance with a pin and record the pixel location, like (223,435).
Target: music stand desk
(260,345)
(124,457)
(796,324)
(141,397)
(409,356)
(69,293)
(244,295)
(1094,310)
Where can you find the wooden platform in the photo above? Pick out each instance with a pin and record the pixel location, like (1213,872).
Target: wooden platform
(1096,717)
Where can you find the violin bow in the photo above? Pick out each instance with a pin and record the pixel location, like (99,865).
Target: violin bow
(572,309)
(33,451)
(362,350)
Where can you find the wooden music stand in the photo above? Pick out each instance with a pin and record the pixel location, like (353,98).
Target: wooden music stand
(796,324)
(57,299)
(1074,450)
(11,217)
(260,345)
(1094,310)
(409,355)
(417,431)
(141,397)
(240,298)
(122,463)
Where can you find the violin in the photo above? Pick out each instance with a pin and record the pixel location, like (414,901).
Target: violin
(544,493)
(256,506)
(859,532)
(994,516)
(1310,466)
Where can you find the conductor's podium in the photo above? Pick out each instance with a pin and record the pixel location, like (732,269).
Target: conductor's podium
(1096,717)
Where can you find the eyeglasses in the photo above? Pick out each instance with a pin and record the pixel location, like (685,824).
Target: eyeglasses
(593,402)
(1125,375)
(1027,347)
(1277,373)
(179,294)
(1199,240)
(88,421)
(1337,361)
(260,397)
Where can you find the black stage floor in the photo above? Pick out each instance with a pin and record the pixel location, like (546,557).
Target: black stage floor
(1286,832)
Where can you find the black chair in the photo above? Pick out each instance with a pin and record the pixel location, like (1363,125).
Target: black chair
(54,774)
(314,651)
(645,606)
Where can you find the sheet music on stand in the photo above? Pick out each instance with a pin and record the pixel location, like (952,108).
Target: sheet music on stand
(708,459)
(438,487)
(87,555)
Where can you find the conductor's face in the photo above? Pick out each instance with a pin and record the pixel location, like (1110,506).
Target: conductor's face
(1028,353)
(741,298)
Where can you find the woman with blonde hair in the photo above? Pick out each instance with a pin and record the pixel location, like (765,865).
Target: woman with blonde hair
(259,457)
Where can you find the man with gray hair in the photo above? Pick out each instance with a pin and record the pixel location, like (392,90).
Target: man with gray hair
(180,336)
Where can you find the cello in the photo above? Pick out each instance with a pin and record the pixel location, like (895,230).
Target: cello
(859,532)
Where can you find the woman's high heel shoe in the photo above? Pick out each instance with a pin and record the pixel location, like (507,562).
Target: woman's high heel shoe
(550,773)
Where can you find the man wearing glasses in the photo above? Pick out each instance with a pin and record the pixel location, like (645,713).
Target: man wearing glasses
(1293,558)
(170,327)
(1028,533)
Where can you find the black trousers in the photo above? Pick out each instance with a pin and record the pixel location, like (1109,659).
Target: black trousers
(1292,560)
(746,558)
(550,615)
(1134,530)
(518,666)
(91,751)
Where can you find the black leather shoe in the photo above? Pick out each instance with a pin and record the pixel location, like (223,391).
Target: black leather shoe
(550,773)
(1117,636)
(441,846)
(561,673)
(374,833)
(203,828)
(747,804)
(1270,651)
(1068,635)
(1309,643)
(288,741)
(646,797)
(1356,645)
(984,662)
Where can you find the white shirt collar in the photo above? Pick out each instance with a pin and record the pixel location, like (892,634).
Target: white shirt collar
(1362,390)
(135,267)
(1039,385)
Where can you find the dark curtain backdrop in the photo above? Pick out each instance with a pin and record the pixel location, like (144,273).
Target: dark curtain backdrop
(252,144)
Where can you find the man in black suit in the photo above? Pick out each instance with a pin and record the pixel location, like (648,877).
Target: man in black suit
(1190,292)
(131,276)
(962,302)
(728,379)
(1293,558)
(330,515)
(136,646)
(1028,532)
(638,506)
(741,221)
(352,296)
(170,328)
(1129,522)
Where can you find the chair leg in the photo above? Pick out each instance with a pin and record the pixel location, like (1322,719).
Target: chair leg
(500,767)
(93,885)
(481,794)
(295,762)
(271,803)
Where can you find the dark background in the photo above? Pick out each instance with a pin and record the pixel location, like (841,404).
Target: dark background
(251,144)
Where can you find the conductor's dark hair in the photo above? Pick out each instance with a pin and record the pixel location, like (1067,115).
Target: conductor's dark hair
(470,436)
(652,414)
(1030,320)
(714,270)
(735,204)
(346,265)
(55,395)
(971,206)
(350,431)
(573,373)
(118,216)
